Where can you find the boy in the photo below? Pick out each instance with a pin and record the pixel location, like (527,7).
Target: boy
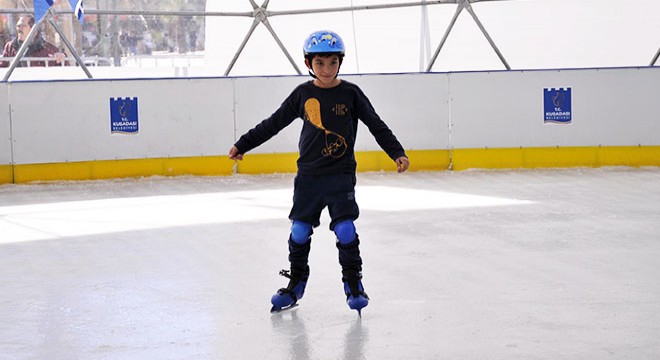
(330,109)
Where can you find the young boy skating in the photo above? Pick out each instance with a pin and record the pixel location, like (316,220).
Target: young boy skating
(330,109)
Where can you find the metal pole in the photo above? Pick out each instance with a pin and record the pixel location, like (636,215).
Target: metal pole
(424,39)
(261,16)
(240,48)
(69,45)
(444,38)
(363,7)
(277,39)
(468,7)
(245,13)
(655,58)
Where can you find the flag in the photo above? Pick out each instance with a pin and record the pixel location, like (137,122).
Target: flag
(41,8)
(77,6)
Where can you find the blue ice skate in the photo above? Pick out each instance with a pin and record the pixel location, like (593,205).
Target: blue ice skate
(287,298)
(356,298)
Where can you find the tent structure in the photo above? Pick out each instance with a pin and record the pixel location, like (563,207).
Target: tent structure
(442,35)
(421,36)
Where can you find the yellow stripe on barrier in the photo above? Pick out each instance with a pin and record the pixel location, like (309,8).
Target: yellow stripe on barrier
(367,161)
(268,163)
(419,160)
(108,169)
(630,156)
(461,159)
(559,157)
(6,174)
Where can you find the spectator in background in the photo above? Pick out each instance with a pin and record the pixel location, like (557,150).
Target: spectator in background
(38,48)
(4,30)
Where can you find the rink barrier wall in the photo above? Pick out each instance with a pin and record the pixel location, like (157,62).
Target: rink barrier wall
(445,121)
(6,168)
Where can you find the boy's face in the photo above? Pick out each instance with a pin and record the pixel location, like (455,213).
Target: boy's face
(325,68)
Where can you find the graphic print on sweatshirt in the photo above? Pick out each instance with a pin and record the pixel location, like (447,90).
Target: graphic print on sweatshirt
(335,144)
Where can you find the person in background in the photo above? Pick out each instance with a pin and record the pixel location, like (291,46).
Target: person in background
(4,31)
(38,48)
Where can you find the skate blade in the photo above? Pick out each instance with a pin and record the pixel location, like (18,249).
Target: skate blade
(276,310)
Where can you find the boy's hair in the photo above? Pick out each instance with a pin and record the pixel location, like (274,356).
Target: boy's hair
(310,57)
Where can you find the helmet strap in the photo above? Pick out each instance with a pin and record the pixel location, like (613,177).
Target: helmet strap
(308,63)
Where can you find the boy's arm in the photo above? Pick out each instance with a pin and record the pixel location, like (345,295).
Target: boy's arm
(388,142)
(264,130)
(382,133)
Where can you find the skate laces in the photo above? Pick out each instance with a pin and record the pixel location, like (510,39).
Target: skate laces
(295,277)
(354,284)
(285,273)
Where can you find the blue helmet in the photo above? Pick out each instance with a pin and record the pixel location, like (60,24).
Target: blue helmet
(323,41)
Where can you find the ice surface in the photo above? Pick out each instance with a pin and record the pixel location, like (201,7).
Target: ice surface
(535,264)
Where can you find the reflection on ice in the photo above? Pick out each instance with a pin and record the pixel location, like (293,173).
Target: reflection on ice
(102,216)
(386,198)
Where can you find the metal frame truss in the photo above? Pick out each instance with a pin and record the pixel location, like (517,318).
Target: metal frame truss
(261,14)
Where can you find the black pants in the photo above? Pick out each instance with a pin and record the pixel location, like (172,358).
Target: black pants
(312,194)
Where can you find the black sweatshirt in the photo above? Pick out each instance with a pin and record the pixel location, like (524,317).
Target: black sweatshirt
(327,138)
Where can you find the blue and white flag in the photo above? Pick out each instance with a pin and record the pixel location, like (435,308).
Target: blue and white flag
(41,8)
(77,6)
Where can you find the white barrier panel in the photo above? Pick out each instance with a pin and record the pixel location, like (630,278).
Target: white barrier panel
(74,122)
(414,106)
(610,107)
(5,126)
(71,121)
(257,99)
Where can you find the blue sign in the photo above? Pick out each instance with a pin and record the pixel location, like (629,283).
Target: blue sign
(124,115)
(557,105)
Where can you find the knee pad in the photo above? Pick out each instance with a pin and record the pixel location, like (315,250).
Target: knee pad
(300,232)
(345,232)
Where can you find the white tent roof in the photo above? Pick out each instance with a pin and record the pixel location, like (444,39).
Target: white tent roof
(530,34)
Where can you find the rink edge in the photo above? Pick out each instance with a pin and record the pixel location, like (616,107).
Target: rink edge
(454,159)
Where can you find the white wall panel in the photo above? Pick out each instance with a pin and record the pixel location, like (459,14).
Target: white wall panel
(5,126)
(414,106)
(505,109)
(71,121)
(257,99)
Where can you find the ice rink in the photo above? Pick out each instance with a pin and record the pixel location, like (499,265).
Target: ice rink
(526,264)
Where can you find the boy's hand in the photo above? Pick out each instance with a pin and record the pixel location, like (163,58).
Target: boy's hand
(234,154)
(402,164)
